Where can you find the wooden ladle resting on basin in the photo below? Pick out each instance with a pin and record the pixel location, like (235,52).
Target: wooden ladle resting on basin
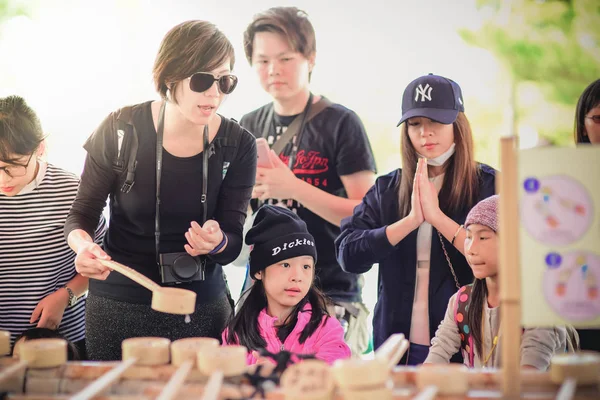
(164,299)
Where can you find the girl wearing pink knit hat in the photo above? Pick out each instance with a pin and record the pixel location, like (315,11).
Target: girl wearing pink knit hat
(472,321)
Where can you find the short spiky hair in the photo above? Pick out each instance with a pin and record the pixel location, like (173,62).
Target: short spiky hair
(20,129)
(290,22)
(190,47)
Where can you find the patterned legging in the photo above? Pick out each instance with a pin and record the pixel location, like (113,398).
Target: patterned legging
(108,322)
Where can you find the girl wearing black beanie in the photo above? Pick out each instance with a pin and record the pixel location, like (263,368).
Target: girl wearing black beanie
(284,310)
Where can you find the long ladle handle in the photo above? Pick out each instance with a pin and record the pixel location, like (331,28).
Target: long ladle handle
(104,381)
(131,274)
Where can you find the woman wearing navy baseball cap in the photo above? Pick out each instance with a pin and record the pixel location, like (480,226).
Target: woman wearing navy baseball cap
(410,222)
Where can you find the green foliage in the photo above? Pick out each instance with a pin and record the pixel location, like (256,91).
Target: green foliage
(553,44)
(9,9)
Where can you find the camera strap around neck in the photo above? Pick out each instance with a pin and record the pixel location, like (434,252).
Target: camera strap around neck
(159,152)
(295,128)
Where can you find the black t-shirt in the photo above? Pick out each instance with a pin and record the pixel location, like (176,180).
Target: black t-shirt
(333,144)
(130,236)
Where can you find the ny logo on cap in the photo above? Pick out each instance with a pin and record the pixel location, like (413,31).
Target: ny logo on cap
(420,90)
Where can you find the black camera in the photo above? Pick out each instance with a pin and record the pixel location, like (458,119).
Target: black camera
(181,268)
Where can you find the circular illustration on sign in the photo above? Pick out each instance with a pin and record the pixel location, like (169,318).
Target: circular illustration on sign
(571,285)
(556,210)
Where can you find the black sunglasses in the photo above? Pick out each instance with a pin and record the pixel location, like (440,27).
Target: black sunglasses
(202,81)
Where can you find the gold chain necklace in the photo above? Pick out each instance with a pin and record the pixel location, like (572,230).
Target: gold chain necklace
(494,341)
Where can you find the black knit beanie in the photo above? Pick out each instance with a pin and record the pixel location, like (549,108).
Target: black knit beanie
(277,234)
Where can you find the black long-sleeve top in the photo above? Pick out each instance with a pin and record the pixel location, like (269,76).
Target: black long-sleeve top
(130,236)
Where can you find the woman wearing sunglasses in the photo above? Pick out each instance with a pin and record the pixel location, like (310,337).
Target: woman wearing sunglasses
(39,286)
(410,222)
(181,218)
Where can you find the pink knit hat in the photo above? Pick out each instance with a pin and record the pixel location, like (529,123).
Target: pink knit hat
(485,213)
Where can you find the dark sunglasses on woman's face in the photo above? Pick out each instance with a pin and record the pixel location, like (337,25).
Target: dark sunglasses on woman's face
(202,81)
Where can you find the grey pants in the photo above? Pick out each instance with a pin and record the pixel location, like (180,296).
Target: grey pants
(108,322)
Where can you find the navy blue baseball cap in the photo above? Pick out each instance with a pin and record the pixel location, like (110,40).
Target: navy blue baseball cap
(434,97)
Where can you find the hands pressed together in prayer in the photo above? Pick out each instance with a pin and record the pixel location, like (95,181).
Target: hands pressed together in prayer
(425,205)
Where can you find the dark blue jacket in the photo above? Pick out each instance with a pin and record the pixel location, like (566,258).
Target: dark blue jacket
(363,242)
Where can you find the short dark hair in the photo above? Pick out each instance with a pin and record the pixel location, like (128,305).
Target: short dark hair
(20,128)
(589,99)
(290,22)
(190,47)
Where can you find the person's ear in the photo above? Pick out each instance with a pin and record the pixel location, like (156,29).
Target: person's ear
(258,276)
(41,150)
(311,61)
(172,88)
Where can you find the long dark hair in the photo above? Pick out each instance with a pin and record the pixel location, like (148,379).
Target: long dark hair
(589,99)
(243,326)
(459,190)
(478,297)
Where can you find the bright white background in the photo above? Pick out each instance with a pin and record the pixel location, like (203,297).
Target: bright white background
(76,61)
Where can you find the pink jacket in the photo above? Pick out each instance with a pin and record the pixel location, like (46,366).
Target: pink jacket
(326,343)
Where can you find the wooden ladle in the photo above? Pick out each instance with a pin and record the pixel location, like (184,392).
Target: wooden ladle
(164,299)
(574,369)
(392,350)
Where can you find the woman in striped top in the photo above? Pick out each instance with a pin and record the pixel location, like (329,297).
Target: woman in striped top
(39,286)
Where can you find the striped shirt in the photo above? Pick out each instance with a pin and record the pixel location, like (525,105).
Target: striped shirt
(35,259)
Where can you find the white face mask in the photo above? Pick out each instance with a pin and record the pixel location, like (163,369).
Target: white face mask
(441,159)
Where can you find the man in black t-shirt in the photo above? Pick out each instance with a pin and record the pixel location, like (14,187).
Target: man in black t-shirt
(325,169)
